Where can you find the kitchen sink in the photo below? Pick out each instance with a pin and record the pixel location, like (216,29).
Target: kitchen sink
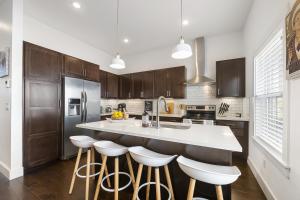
(175,126)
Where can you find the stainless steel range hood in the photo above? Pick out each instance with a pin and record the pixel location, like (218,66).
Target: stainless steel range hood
(199,77)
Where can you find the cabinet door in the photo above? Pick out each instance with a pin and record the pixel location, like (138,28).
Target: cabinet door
(160,83)
(147,84)
(42,123)
(137,85)
(112,85)
(230,75)
(73,67)
(103,81)
(125,86)
(41,63)
(91,71)
(176,80)
(240,130)
(42,98)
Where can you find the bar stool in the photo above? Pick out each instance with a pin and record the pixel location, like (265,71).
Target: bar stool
(207,173)
(85,142)
(111,149)
(151,159)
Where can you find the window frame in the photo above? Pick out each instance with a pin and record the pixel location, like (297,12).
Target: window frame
(282,157)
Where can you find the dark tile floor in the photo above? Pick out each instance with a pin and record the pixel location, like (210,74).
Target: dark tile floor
(52,183)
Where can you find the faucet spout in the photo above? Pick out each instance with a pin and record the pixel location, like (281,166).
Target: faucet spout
(161,98)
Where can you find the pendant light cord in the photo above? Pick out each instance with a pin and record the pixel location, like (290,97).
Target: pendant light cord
(181,31)
(117,34)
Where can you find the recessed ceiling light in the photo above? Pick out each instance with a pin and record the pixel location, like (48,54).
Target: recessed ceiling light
(126,40)
(185,22)
(76,4)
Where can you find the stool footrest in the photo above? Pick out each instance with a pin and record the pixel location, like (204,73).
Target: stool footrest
(83,166)
(113,174)
(153,183)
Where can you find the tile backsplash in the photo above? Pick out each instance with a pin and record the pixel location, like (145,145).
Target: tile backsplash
(196,95)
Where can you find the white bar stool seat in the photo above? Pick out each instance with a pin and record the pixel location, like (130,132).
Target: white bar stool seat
(111,149)
(151,159)
(208,173)
(84,142)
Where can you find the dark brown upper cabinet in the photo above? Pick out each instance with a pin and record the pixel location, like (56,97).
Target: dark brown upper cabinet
(125,86)
(77,68)
(103,81)
(143,85)
(42,106)
(91,71)
(109,85)
(230,75)
(170,82)
(112,86)
(41,63)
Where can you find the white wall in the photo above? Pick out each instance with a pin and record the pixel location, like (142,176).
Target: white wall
(11,12)
(5,41)
(265,17)
(217,48)
(39,33)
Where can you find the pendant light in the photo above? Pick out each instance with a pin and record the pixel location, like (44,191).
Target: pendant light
(117,62)
(181,50)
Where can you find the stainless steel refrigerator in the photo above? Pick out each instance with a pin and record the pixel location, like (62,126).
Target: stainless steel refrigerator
(81,105)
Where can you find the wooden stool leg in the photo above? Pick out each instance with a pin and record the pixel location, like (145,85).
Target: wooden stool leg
(168,177)
(130,169)
(137,182)
(93,161)
(87,181)
(75,169)
(219,192)
(191,189)
(148,181)
(104,160)
(106,174)
(116,184)
(157,184)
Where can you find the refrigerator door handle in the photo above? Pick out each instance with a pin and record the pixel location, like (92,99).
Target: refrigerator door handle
(85,107)
(82,107)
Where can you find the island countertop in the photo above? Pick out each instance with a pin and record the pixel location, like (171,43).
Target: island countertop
(218,137)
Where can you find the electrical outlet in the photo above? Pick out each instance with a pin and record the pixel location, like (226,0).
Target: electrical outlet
(264,163)
(7,83)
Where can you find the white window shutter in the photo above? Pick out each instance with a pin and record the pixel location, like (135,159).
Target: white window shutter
(269,66)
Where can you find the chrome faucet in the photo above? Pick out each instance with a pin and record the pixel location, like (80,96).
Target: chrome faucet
(161,98)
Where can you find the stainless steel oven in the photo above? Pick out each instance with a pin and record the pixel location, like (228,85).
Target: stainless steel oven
(201,114)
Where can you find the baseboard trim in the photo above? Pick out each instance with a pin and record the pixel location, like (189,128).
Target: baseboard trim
(4,169)
(261,181)
(11,173)
(16,173)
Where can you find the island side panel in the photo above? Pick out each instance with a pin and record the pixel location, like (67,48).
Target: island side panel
(179,179)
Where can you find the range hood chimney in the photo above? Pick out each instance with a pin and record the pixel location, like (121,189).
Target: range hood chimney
(199,77)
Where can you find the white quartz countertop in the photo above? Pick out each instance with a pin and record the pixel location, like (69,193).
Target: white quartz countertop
(218,137)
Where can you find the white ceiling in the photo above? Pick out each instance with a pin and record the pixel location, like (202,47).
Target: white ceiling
(148,24)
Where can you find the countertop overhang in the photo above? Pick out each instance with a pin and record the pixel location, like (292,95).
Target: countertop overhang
(218,137)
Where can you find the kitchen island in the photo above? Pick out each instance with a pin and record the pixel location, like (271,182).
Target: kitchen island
(210,144)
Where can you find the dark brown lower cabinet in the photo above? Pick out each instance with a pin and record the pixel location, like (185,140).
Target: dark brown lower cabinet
(42,123)
(240,130)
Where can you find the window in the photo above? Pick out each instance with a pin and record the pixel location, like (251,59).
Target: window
(269,77)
